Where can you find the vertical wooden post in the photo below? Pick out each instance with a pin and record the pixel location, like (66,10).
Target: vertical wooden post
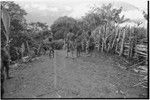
(87,46)
(131,48)
(129,43)
(99,31)
(102,45)
(116,33)
(122,43)
(117,39)
(133,44)
(106,33)
(98,46)
(103,37)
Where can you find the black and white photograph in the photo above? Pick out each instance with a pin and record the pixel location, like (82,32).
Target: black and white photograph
(74,49)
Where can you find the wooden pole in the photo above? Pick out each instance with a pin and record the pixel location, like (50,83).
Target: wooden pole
(102,46)
(117,44)
(131,47)
(99,40)
(103,37)
(116,33)
(131,44)
(122,43)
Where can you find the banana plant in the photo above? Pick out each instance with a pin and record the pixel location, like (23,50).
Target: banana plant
(5,19)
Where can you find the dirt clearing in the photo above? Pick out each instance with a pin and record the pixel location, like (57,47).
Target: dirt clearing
(61,77)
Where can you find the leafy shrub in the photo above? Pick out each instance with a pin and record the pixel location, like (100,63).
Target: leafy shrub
(14,55)
(58,44)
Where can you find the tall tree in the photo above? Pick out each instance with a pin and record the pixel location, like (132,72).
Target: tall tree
(17,24)
(37,26)
(17,16)
(62,26)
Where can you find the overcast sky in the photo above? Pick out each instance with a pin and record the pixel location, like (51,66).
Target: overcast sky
(48,10)
(138,3)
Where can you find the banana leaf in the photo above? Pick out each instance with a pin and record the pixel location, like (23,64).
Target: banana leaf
(6,21)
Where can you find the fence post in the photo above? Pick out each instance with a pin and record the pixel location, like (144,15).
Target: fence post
(122,43)
(132,44)
(130,48)
(116,33)
(102,48)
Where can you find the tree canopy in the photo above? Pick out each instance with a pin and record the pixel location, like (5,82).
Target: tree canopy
(17,15)
(62,26)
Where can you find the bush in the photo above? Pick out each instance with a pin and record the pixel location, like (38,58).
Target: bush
(13,54)
(58,44)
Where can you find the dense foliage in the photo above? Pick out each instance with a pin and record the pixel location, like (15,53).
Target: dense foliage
(21,31)
(103,23)
(62,26)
